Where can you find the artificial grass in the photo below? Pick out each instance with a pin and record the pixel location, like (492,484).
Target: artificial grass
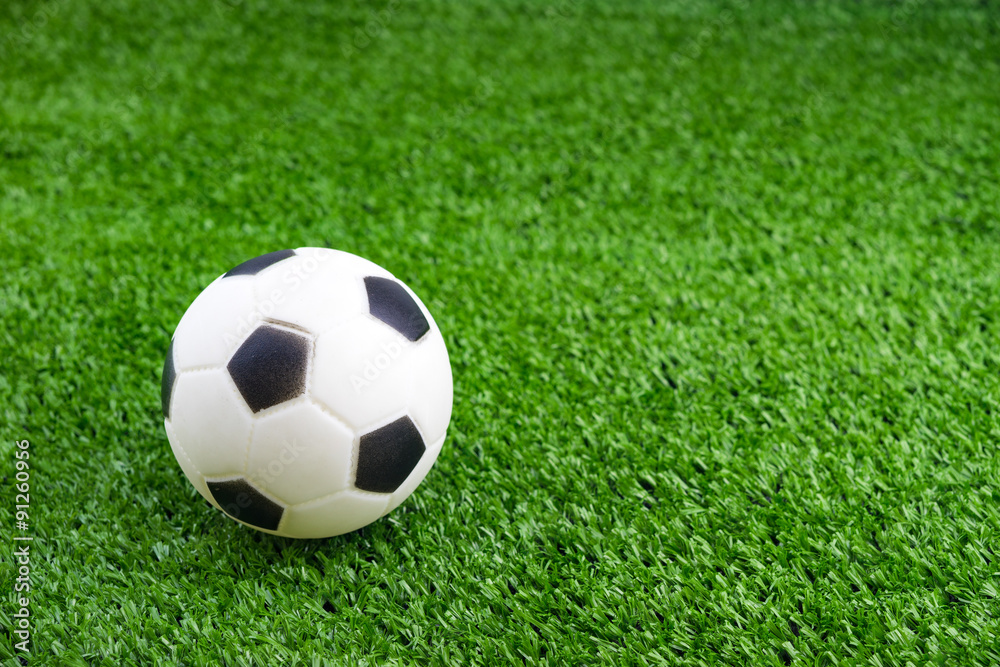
(719,284)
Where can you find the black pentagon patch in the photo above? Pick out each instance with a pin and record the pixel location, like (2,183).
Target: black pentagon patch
(270,366)
(167,380)
(257,264)
(239,499)
(389,302)
(388,455)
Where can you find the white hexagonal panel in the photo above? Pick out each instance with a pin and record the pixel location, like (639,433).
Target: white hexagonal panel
(195,477)
(344,261)
(366,372)
(416,477)
(299,453)
(214,325)
(333,515)
(322,300)
(317,289)
(209,416)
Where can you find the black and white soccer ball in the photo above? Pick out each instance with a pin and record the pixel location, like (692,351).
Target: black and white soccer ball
(307,392)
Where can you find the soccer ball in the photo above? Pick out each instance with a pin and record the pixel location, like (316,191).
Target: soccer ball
(306,393)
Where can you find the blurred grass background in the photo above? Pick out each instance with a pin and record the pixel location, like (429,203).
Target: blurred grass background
(719,281)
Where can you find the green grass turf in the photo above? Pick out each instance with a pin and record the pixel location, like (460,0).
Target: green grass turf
(719,282)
